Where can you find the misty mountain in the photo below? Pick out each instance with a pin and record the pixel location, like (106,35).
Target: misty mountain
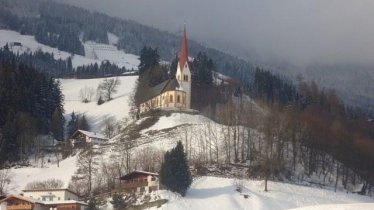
(326,41)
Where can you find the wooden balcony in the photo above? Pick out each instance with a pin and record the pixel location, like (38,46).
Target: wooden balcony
(134,184)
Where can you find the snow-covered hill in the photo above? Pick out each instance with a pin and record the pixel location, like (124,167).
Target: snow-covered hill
(219,194)
(95,53)
(20,177)
(117,108)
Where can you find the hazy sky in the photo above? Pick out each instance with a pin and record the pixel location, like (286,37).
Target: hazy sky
(297,31)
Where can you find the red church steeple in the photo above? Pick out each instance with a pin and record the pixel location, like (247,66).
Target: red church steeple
(183,54)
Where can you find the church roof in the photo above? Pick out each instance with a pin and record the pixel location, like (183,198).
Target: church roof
(152,92)
(183,54)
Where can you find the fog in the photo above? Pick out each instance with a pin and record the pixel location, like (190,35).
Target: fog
(296,31)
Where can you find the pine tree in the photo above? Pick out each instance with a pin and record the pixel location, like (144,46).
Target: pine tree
(57,125)
(149,58)
(92,204)
(83,124)
(175,173)
(118,202)
(72,125)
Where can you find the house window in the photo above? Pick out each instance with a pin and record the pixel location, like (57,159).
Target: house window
(185,78)
(153,178)
(178,98)
(171,98)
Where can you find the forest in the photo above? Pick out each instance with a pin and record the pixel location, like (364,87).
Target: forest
(31,103)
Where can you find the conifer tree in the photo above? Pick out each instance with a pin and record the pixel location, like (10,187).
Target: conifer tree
(92,204)
(83,124)
(118,202)
(72,125)
(57,125)
(175,173)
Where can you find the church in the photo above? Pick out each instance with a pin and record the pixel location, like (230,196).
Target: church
(172,94)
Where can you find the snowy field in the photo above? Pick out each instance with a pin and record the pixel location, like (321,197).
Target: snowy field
(103,52)
(212,193)
(117,108)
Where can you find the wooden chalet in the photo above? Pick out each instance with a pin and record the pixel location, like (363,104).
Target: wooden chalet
(15,202)
(139,182)
(82,136)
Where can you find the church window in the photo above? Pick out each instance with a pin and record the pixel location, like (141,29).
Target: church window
(171,99)
(178,98)
(179,77)
(185,78)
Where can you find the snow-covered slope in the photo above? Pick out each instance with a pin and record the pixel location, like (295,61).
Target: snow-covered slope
(117,108)
(103,52)
(219,194)
(354,206)
(20,177)
(112,54)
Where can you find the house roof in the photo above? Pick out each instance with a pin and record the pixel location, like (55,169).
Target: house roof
(30,200)
(152,92)
(48,190)
(91,134)
(134,173)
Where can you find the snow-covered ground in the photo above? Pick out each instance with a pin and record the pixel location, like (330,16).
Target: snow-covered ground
(354,206)
(219,193)
(117,108)
(103,52)
(20,177)
(112,54)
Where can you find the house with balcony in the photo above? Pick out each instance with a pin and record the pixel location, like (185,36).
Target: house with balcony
(139,182)
(49,199)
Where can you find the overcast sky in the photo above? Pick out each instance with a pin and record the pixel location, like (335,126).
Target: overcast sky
(297,31)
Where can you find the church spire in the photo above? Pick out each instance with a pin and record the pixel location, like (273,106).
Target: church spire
(183,54)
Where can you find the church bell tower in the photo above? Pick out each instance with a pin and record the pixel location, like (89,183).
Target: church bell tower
(183,74)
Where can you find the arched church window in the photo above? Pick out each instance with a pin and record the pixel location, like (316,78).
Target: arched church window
(171,99)
(178,98)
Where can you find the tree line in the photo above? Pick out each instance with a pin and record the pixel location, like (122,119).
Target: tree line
(45,63)
(31,104)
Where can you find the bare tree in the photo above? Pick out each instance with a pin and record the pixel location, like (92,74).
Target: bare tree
(46,184)
(5,175)
(110,127)
(86,94)
(108,87)
(87,167)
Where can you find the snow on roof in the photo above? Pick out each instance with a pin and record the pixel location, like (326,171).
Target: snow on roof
(30,200)
(48,190)
(64,202)
(93,134)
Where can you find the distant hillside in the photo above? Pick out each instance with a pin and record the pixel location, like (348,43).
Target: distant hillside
(60,26)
